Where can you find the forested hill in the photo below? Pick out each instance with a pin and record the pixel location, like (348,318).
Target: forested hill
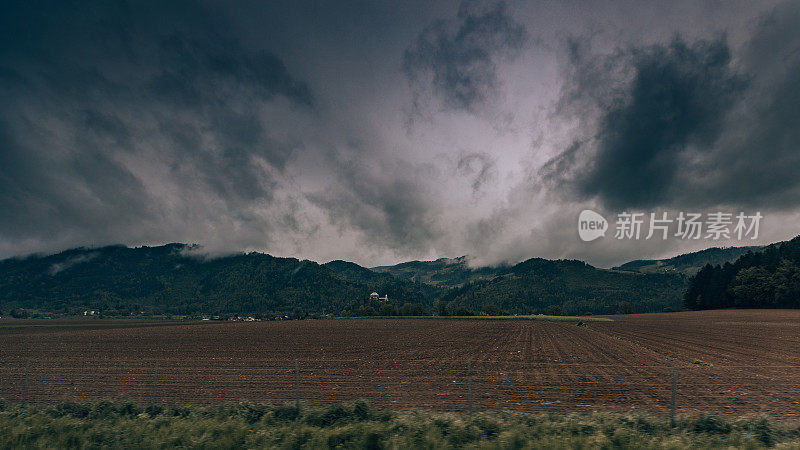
(172,279)
(769,278)
(690,263)
(569,287)
(443,272)
(384,283)
(167,280)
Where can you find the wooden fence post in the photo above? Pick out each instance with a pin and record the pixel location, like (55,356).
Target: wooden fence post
(297,384)
(25,383)
(674,396)
(469,385)
(155,384)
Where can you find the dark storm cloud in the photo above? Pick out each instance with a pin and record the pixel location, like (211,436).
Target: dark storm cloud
(687,123)
(758,161)
(458,58)
(675,99)
(92,89)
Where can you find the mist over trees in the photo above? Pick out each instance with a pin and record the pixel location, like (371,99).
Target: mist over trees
(171,280)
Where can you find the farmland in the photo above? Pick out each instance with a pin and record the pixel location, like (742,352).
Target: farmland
(740,362)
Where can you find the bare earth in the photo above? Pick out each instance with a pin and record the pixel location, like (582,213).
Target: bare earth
(740,362)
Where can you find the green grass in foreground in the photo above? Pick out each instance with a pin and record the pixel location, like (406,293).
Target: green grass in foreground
(356,425)
(542,317)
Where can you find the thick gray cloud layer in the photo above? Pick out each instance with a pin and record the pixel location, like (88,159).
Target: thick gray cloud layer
(283,126)
(92,96)
(686,123)
(677,98)
(458,58)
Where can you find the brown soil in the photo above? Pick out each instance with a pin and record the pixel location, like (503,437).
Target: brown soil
(740,362)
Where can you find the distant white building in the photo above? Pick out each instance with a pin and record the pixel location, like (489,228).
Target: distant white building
(374,296)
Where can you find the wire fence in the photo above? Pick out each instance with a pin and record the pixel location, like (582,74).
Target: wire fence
(444,385)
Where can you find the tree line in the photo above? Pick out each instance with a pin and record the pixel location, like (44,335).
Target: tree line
(764,279)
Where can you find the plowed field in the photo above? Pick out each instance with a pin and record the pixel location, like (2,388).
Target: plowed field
(732,362)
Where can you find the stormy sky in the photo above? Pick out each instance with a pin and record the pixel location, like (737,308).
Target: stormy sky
(379,132)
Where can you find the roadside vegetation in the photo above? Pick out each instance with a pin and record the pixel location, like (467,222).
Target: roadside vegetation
(357,425)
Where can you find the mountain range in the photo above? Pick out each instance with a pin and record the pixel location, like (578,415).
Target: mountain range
(689,263)
(174,280)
